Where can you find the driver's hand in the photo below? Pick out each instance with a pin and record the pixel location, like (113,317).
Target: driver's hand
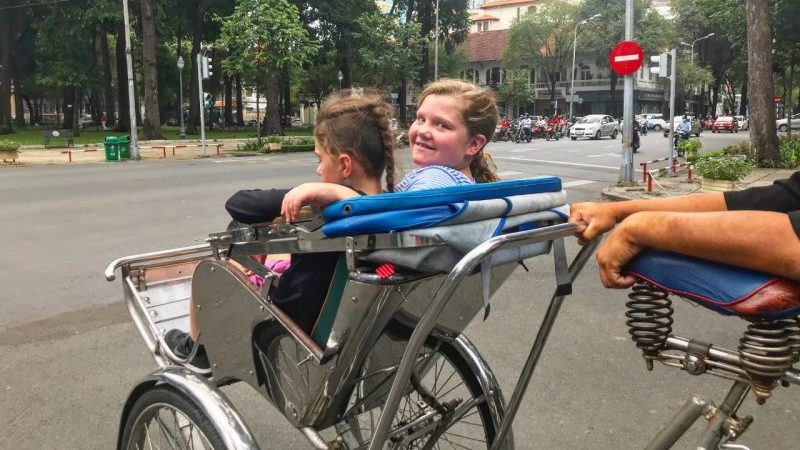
(616,251)
(591,219)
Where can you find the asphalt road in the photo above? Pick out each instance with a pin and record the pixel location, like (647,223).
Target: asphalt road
(70,353)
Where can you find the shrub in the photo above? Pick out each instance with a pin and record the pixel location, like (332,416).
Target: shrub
(252,145)
(291,148)
(723,166)
(789,150)
(691,148)
(273,139)
(9,146)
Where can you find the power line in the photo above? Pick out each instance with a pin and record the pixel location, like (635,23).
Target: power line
(43,2)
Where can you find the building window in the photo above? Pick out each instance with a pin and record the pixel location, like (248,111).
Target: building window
(493,76)
(532,9)
(585,73)
(483,25)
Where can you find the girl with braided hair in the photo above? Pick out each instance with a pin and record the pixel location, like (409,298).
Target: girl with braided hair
(354,146)
(455,120)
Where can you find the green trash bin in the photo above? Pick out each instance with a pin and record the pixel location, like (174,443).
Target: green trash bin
(112,148)
(125,147)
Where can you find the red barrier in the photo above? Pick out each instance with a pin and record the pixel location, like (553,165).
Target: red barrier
(69,152)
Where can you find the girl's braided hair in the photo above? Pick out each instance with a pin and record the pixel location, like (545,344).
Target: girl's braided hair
(479,111)
(356,123)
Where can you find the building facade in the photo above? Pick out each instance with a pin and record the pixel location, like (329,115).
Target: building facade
(489,32)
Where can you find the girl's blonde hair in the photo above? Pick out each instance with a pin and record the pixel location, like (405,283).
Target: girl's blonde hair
(357,123)
(479,111)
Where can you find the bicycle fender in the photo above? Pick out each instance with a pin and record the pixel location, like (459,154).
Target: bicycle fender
(489,384)
(205,395)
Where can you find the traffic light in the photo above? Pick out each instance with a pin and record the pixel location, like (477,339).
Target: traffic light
(208,99)
(206,67)
(663,64)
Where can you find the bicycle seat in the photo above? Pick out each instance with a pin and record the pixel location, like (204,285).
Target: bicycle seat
(726,289)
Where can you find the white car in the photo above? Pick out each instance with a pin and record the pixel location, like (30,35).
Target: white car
(595,126)
(783,124)
(744,122)
(656,122)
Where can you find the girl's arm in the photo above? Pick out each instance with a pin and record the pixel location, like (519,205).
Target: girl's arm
(314,194)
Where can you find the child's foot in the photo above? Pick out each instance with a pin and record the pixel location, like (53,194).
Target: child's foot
(181,344)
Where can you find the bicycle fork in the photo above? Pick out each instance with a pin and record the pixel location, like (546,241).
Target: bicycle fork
(723,425)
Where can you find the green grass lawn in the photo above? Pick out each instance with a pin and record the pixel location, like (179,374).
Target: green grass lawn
(33,136)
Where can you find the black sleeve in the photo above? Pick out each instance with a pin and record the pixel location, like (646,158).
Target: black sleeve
(781,196)
(255,205)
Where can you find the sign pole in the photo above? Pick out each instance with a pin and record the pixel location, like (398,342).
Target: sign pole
(202,106)
(672,79)
(131,96)
(626,165)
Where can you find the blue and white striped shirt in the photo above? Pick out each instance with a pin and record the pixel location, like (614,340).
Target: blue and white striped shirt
(432,177)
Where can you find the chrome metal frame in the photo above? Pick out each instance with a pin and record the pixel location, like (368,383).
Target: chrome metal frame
(223,296)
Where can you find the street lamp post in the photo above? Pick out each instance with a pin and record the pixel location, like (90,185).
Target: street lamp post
(572,72)
(180,95)
(131,96)
(691,46)
(436,46)
(340,77)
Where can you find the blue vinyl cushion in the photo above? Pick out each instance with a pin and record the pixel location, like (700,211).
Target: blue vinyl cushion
(408,200)
(717,286)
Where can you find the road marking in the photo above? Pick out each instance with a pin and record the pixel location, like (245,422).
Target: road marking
(508,173)
(557,163)
(602,154)
(574,183)
(521,150)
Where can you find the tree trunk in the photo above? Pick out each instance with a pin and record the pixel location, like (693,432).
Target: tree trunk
(31,109)
(108,90)
(194,102)
(124,122)
(19,106)
(239,102)
(763,135)
(612,103)
(6,44)
(744,102)
(788,101)
(228,101)
(287,94)
(402,100)
(151,128)
(272,120)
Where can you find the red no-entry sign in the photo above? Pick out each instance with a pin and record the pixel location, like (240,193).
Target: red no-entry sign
(626,57)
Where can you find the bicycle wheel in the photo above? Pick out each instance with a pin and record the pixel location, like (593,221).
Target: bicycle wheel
(444,403)
(162,418)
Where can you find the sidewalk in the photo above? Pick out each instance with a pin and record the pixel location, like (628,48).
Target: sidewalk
(162,149)
(666,186)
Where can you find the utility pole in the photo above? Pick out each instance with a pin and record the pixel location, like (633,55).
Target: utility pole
(672,77)
(200,56)
(436,46)
(131,96)
(626,166)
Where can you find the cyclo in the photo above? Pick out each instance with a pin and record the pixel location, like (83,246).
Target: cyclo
(386,365)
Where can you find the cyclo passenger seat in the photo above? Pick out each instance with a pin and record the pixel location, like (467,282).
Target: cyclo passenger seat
(728,290)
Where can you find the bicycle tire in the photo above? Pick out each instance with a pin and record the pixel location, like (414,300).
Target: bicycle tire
(147,410)
(452,437)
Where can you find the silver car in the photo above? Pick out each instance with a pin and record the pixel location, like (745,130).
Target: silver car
(595,126)
(783,124)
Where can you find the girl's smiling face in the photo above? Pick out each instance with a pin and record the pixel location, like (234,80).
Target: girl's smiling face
(439,136)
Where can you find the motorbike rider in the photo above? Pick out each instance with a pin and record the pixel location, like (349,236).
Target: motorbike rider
(525,126)
(553,126)
(637,127)
(682,131)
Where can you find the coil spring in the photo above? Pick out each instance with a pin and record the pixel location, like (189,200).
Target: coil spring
(767,350)
(649,319)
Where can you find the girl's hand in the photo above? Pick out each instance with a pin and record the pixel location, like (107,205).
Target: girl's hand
(305,194)
(314,194)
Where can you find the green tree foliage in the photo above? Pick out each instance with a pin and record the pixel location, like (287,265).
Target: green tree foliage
(651,31)
(516,90)
(691,78)
(265,38)
(543,40)
(389,51)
